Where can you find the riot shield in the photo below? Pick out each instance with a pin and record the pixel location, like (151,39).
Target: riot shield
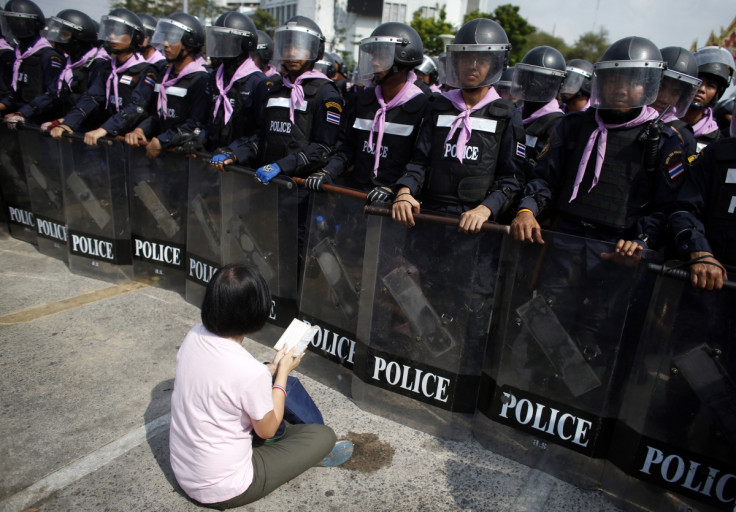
(261,226)
(205,230)
(550,382)
(331,280)
(674,446)
(15,188)
(96,209)
(425,307)
(158,217)
(42,162)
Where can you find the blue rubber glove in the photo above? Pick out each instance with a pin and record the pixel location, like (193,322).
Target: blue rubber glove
(267,173)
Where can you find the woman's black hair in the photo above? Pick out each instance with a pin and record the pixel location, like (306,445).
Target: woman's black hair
(237,301)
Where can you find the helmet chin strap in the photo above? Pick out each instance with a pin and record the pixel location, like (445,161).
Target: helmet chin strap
(391,72)
(294,74)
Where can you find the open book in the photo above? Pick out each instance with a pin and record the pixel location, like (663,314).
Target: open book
(299,334)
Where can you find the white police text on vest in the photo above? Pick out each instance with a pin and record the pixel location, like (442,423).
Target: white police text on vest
(367,149)
(280,127)
(470,153)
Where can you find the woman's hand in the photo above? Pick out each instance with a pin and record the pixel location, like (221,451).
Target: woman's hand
(287,362)
(404,207)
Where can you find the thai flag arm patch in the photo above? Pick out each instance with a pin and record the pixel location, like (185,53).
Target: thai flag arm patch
(149,81)
(126,79)
(333,117)
(520,150)
(676,171)
(56,63)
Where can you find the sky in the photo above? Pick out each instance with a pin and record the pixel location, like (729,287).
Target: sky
(665,22)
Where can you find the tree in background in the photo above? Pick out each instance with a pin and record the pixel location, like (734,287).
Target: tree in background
(589,46)
(516,27)
(430,29)
(264,21)
(542,38)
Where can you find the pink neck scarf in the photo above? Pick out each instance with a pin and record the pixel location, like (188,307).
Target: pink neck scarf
(38,45)
(707,124)
(297,91)
(407,92)
(271,71)
(549,108)
(192,67)
(67,73)
(463,119)
(102,54)
(155,57)
(246,68)
(647,114)
(4,44)
(114,78)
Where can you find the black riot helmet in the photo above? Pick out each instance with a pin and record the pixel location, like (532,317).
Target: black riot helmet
(179,27)
(149,26)
(680,81)
(718,63)
(326,65)
(628,75)
(391,47)
(339,63)
(478,55)
(234,34)
(22,20)
(429,68)
(538,76)
(299,39)
(503,86)
(72,30)
(264,47)
(579,75)
(119,23)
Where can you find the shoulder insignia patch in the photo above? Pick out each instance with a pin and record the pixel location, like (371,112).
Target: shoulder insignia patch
(333,104)
(674,162)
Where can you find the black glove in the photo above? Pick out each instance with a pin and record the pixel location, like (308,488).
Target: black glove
(380,195)
(315,181)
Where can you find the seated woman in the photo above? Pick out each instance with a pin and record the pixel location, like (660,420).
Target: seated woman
(222,394)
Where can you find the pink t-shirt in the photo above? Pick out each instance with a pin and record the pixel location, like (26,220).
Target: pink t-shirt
(219,387)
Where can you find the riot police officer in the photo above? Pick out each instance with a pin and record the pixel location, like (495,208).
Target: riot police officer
(715,69)
(239,87)
(536,81)
(303,115)
(703,223)
(36,69)
(575,89)
(183,101)
(125,86)
(263,55)
(503,86)
(383,120)
(469,158)
(427,72)
(74,33)
(151,54)
(326,65)
(341,81)
(679,84)
(7,56)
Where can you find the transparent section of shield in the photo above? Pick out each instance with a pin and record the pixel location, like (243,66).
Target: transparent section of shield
(551,382)
(15,188)
(96,209)
(425,306)
(261,224)
(42,162)
(675,441)
(205,229)
(158,217)
(331,282)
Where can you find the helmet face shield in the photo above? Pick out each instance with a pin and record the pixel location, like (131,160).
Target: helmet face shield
(442,68)
(470,66)
(625,84)
(224,42)
(677,91)
(295,43)
(574,80)
(733,121)
(60,31)
(18,25)
(376,55)
(115,30)
(167,31)
(535,83)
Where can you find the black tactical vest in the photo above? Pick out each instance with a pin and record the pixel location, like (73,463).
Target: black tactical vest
(721,214)
(127,82)
(178,101)
(399,135)
(624,187)
(240,96)
(538,133)
(282,136)
(450,181)
(31,76)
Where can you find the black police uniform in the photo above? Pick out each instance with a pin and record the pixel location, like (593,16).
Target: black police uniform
(538,134)
(7,57)
(135,93)
(301,147)
(687,138)
(82,79)
(248,97)
(187,109)
(399,136)
(35,96)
